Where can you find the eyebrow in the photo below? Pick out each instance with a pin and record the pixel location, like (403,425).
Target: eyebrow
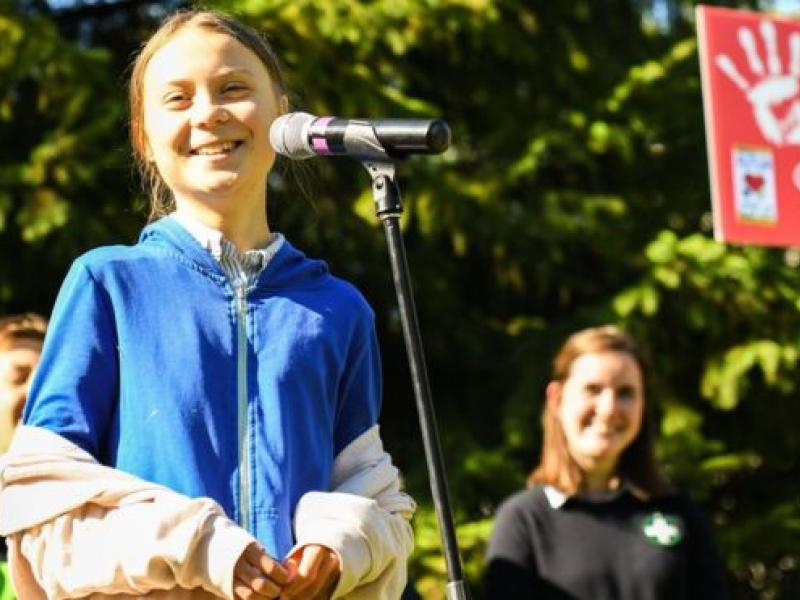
(226,72)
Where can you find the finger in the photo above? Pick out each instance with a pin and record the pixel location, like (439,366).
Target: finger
(330,564)
(251,554)
(313,573)
(243,590)
(794,53)
(311,559)
(256,580)
(290,564)
(244,569)
(771,44)
(748,43)
(259,572)
(303,581)
(265,564)
(254,552)
(272,569)
(725,63)
(246,572)
(265,587)
(328,577)
(325,581)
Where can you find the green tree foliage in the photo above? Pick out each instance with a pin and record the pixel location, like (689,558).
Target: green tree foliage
(62,157)
(576,192)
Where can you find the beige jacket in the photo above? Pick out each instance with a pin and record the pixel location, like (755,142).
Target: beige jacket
(78,529)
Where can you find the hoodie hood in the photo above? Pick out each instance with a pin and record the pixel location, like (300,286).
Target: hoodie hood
(289,268)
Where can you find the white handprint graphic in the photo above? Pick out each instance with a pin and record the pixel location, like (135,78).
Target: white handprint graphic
(770,87)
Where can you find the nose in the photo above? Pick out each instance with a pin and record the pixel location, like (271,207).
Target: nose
(207,112)
(606,402)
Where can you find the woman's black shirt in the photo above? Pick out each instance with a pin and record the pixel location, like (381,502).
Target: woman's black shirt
(618,547)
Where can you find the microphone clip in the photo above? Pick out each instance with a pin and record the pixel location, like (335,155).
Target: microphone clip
(385,190)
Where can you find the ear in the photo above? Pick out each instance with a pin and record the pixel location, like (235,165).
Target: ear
(284,104)
(553,394)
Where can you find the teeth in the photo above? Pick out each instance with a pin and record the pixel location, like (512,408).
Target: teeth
(215,148)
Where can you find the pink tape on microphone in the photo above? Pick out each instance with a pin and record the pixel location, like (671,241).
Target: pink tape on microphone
(320,144)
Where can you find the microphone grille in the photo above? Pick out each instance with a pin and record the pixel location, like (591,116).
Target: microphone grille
(288,135)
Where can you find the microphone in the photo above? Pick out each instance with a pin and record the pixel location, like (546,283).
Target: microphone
(299,135)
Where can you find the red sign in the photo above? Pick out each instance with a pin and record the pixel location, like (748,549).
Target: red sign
(750,66)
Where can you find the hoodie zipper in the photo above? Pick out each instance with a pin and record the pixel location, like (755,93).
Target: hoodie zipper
(240,287)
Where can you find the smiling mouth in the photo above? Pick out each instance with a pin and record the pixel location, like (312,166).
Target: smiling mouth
(606,431)
(219,149)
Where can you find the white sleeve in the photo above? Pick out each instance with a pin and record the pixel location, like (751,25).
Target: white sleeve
(364,519)
(78,527)
(135,549)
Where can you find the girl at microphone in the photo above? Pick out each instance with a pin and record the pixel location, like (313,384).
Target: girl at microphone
(204,418)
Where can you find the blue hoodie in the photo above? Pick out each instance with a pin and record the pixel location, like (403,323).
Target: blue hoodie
(156,365)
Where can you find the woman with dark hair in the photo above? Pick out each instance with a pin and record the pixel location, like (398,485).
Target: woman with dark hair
(598,521)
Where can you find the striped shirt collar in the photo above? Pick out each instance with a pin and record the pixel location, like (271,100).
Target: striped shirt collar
(237,267)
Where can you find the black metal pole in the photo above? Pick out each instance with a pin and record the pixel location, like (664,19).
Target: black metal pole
(389,207)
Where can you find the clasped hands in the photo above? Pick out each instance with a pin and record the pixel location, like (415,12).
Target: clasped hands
(310,573)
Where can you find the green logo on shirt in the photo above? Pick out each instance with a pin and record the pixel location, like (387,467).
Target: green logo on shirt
(662,530)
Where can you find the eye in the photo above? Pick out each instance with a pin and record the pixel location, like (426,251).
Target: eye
(235,89)
(175,99)
(627,392)
(593,389)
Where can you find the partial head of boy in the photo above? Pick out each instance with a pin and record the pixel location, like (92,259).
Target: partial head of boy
(21,338)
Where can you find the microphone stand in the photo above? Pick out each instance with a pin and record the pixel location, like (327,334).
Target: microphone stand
(388,207)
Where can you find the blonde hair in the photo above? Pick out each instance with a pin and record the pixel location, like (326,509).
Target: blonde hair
(161,199)
(637,463)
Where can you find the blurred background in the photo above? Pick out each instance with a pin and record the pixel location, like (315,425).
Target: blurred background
(575,193)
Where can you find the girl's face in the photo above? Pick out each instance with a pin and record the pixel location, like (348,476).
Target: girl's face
(208,104)
(600,407)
